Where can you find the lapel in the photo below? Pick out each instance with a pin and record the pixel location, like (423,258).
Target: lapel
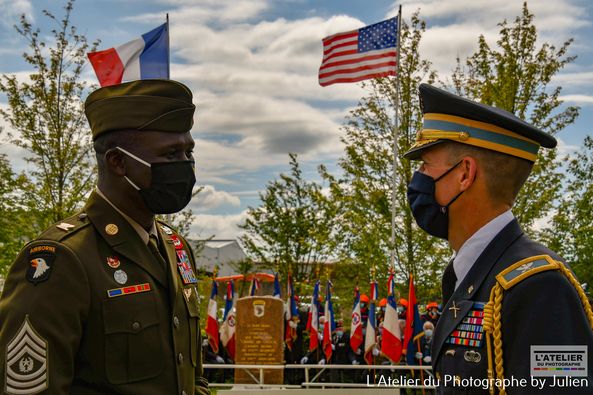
(126,240)
(171,257)
(474,278)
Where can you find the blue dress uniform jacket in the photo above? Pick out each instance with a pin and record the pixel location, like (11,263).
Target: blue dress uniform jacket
(542,309)
(87,308)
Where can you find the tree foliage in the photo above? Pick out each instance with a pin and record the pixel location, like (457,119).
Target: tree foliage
(571,230)
(515,75)
(47,119)
(364,191)
(290,231)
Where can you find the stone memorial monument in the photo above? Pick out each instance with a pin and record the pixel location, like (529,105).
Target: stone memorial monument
(260,338)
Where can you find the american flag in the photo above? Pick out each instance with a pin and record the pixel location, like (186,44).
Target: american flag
(357,55)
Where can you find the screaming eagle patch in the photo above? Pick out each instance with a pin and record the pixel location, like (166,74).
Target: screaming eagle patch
(26,361)
(41,260)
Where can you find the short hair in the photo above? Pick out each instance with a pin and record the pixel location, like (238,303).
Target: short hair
(104,142)
(505,174)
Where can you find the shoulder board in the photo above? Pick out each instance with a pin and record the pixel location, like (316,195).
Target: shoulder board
(66,228)
(166,228)
(525,268)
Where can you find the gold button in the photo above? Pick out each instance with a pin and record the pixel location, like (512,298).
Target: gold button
(470,289)
(463,136)
(111,229)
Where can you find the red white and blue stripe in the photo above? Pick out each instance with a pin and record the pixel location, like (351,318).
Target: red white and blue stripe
(356,323)
(413,328)
(391,343)
(143,58)
(330,323)
(254,286)
(356,55)
(227,329)
(292,315)
(212,321)
(370,340)
(313,321)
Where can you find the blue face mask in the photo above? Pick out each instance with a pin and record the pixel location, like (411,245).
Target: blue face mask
(430,216)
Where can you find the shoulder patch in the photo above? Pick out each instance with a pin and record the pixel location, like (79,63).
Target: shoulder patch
(525,268)
(26,361)
(41,261)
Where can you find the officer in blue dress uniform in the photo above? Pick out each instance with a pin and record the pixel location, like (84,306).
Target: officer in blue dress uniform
(502,292)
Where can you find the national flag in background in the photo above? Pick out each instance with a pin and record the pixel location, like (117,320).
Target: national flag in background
(413,327)
(313,320)
(330,323)
(143,58)
(227,329)
(371,333)
(276,286)
(254,286)
(356,55)
(291,314)
(212,321)
(391,343)
(356,323)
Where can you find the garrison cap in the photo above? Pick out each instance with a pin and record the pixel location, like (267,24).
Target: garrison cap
(155,105)
(448,117)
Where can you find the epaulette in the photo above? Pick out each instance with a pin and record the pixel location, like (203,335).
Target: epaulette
(65,228)
(525,268)
(166,228)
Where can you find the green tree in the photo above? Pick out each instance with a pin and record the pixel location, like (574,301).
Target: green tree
(290,231)
(515,75)
(46,118)
(14,219)
(363,192)
(571,230)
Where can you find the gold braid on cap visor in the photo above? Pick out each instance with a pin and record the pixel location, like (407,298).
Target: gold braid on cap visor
(479,134)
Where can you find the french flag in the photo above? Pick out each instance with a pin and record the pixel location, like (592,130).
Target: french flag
(356,323)
(212,321)
(330,323)
(227,329)
(391,344)
(291,315)
(371,335)
(313,321)
(143,58)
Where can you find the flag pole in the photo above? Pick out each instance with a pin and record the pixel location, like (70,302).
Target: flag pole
(169,49)
(395,139)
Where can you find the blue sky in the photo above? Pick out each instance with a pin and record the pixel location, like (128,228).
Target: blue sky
(252,65)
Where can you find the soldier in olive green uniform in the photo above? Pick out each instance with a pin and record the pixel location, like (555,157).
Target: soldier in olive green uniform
(105,302)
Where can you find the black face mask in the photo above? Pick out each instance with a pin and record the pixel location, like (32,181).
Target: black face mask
(430,216)
(171,185)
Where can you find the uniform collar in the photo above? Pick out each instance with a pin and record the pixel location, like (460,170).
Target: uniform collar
(473,247)
(144,235)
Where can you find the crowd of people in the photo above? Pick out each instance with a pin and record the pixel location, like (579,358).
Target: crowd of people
(343,353)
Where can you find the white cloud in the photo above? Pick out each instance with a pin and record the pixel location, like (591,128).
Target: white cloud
(209,198)
(578,99)
(565,149)
(220,226)
(11,10)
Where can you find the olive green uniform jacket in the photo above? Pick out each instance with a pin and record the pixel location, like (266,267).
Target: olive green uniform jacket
(87,308)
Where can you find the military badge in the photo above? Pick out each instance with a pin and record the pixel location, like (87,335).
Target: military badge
(132,289)
(65,226)
(185,269)
(259,308)
(167,230)
(41,259)
(177,242)
(113,262)
(120,277)
(470,331)
(26,361)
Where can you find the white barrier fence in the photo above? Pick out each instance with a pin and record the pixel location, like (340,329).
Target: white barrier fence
(423,378)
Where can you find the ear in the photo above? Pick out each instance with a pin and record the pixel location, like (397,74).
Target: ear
(469,167)
(115,163)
